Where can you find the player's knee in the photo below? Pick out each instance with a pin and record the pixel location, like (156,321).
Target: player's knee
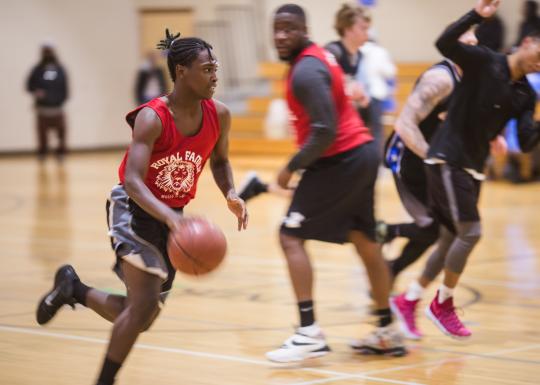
(288,242)
(469,233)
(144,312)
(150,321)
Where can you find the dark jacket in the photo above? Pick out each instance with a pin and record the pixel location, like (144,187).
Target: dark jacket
(143,77)
(484,102)
(52,79)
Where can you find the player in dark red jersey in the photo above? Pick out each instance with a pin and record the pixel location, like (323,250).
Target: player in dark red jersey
(334,199)
(173,136)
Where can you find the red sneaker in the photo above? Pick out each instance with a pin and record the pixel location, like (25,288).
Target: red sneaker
(445,318)
(405,310)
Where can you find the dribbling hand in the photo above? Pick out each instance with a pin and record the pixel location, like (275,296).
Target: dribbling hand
(487,8)
(238,208)
(174,221)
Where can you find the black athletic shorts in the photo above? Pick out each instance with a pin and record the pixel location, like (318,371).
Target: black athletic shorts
(453,195)
(413,196)
(334,196)
(138,238)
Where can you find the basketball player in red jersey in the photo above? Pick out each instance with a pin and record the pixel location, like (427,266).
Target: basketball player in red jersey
(173,137)
(334,199)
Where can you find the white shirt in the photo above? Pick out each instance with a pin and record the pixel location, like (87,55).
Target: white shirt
(376,68)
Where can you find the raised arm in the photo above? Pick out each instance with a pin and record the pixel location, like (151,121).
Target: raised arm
(146,131)
(464,55)
(221,168)
(435,85)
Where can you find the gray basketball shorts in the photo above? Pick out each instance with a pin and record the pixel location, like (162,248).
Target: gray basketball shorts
(138,238)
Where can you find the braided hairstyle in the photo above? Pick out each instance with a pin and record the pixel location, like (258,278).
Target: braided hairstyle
(182,51)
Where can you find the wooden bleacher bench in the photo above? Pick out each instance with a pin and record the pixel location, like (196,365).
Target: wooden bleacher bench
(247,135)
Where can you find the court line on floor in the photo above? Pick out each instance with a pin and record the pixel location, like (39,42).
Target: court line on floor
(447,360)
(215,356)
(365,375)
(356,377)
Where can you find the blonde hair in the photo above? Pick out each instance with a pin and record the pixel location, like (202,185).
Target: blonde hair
(346,17)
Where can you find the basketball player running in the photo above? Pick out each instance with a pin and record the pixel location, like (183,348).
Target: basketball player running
(173,136)
(352,24)
(334,199)
(493,90)
(407,147)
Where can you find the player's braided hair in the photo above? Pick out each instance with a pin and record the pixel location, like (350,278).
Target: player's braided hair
(182,51)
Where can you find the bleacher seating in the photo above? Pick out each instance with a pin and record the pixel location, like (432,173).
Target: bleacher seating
(247,130)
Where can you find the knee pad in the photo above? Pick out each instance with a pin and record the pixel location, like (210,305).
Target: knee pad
(469,232)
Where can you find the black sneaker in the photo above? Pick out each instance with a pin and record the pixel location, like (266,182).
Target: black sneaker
(60,295)
(252,186)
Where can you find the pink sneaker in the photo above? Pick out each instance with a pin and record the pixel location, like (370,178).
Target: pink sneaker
(405,310)
(445,318)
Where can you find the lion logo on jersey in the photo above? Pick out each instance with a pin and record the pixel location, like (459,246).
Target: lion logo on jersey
(177,177)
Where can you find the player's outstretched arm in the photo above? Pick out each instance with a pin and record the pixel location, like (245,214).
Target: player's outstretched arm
(466,56)
(221,168)
(434,86)
(146,131)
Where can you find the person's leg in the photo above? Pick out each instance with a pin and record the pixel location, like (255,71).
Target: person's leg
(404,305)
(409,230)
(441,310)
(377,270)
(300,270)
(140,312)
(307,218)
(308,341)
(42,128)
(385,339)
(462,192)
(468,235)
(435,263)
(69,290)
(108,306)
(61,131)
(417,245)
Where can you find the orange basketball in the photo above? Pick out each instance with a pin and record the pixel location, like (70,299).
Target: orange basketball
(197,247)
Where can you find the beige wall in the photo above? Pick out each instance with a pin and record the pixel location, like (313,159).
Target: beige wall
(407,28)
(98,43)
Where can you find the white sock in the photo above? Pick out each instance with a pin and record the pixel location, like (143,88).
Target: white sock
(312,330)
(414,291)
(445,292)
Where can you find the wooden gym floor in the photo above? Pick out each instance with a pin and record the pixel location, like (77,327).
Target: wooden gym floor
(216,329)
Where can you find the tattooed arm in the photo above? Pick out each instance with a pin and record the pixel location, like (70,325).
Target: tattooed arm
(435,85)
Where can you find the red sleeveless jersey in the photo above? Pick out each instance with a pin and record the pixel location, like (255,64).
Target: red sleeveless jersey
(351,131)
(176,161)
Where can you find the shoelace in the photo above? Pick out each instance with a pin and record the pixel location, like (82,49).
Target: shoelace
(451,317)
(409,314)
